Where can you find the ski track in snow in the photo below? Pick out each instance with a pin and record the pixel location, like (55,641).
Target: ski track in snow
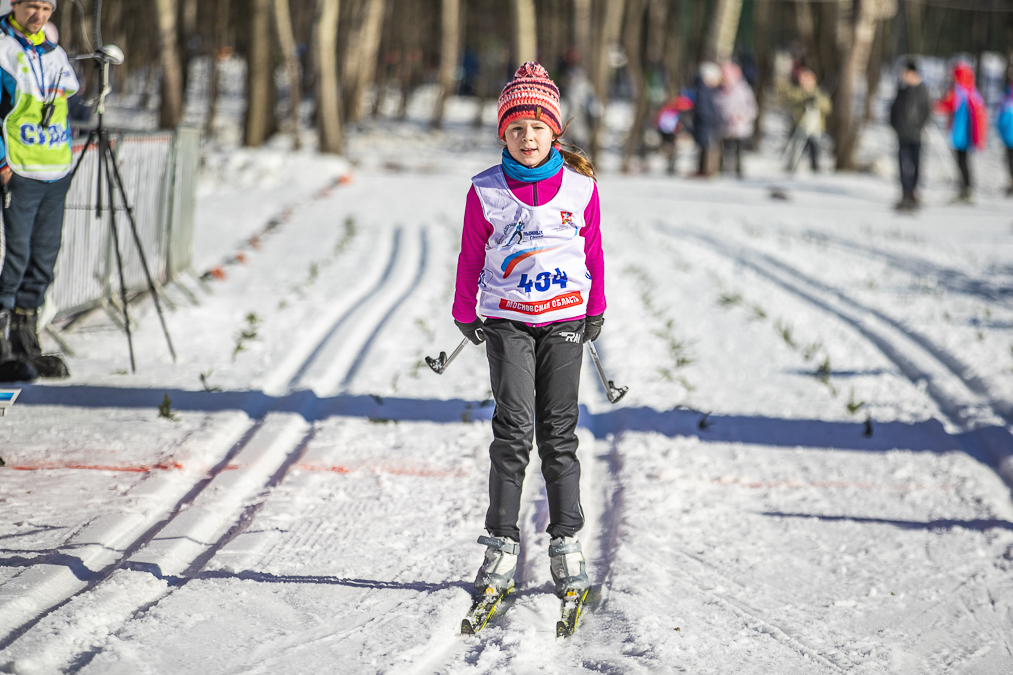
(323,540)
(963,398)
(348,351)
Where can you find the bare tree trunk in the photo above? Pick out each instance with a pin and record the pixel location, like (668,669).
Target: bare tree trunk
(187,33)
(525,31)
(633,40)
(350,37)
(606,36)
(286,38)
(369,48)
(1009,46)
(761,18)
(259,76)
(67,39)
(582,31)
(826,45)
(328,107)
(171,112)
(806,33)
(553,40)
(866,13)
(450,30)
(873,70)
(913,25)
(979,34)
(214,82)
(408,36)
(724,26)
(673,47)
(388,43)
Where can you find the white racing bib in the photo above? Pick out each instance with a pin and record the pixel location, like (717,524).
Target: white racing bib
(535,268)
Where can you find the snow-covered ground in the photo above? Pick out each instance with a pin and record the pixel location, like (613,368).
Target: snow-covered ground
(806,475)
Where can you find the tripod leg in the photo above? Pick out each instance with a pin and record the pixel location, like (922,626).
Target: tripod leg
(84,151)
(104,168)
(111,161)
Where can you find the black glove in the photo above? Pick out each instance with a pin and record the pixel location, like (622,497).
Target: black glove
(473,331)
(592,327)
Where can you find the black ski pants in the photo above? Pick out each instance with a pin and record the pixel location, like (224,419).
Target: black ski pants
(909,155)
(735,145)
(965,171)
(535,374)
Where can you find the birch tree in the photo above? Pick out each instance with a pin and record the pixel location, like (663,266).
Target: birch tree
(449,51)
(673,47)
(171,111)
(865,15)
(286,38)
(633,41)
(260,94)
(326,48)
(761,19)
(724,26)
(582,31)
(606,37)
(220,41)
(525,35)
(370,33)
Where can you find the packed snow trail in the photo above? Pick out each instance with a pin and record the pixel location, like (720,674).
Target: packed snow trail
(738,520)
(177,547)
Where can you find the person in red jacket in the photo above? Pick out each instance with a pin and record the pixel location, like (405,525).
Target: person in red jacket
(968,121)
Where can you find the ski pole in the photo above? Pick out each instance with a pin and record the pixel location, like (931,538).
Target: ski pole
(440,363)
(614,393)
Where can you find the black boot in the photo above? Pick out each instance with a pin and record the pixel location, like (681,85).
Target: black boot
(25,343)
(11,368)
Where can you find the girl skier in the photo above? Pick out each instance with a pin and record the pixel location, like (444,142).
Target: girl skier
(532,245)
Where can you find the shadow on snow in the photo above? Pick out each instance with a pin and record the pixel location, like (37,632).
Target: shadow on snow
(986,444)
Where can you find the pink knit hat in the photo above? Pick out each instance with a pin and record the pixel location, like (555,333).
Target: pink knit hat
(530,94)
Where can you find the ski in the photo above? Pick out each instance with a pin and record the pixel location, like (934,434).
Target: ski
(571,608)
(484,608)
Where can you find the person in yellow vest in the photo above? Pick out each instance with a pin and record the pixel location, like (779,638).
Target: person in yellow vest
(36,79)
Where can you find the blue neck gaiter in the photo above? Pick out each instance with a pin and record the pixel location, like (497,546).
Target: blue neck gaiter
(518,171)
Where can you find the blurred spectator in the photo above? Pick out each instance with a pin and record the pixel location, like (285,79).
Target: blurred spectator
(908,115)
(1004,125)
(737,104)
(668,122)
(707,120)
(809,107)
(968,122)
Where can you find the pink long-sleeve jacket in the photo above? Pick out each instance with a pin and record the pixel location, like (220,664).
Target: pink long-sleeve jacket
(477,231)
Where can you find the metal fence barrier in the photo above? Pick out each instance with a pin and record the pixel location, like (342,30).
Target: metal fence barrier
(159,172)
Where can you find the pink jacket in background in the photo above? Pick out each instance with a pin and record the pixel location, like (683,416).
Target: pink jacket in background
(477,231)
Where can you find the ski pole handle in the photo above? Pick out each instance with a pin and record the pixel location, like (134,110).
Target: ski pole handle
(440,363)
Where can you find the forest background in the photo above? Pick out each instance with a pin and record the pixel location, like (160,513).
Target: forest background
(351,58)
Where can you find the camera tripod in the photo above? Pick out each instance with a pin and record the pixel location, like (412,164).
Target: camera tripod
(108,178)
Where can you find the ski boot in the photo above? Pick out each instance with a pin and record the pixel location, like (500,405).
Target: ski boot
(494,582)
(500,564)
(569,574)
(25,343)
(12,369)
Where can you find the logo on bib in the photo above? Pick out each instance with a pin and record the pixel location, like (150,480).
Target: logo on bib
(34,134)
(542,306)
(511,261)
(512,234)
(567,217)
